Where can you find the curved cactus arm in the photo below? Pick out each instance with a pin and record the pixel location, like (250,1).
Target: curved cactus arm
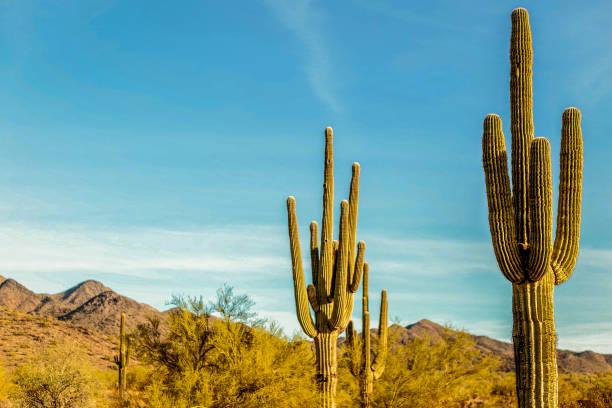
(521,109)
(378,367)
(352,238)
(353,210)
(565,250)
(354,286)
(326,270)
(341,300)
(299,286)
(540,209)
(314,252)
(501,217)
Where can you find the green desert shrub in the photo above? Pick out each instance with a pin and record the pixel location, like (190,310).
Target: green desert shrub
(58,377)
(234,360)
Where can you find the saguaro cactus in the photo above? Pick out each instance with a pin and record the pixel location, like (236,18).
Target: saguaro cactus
(521,223)
(365,370)
(122,360)
(336,274)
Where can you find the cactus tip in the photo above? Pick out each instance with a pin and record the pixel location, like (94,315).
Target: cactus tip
(570,112)
(520,12)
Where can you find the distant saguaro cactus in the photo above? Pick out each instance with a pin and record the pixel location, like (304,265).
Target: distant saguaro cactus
(122,360)
(336,274)
(521,222)
(365,370)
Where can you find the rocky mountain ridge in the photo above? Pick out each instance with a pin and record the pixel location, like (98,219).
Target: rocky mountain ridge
(92,305)
(89,304)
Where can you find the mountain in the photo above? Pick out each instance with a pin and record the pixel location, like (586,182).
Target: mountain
(14,295)
(89,309)
(585,362)
(89,304)
(101,311)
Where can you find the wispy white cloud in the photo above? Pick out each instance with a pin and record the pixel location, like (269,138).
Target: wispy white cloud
(136,251)
(305,20)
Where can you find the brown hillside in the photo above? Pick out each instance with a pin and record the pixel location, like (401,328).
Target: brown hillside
(102,312)
(585,362)
(22,335)
(90,304)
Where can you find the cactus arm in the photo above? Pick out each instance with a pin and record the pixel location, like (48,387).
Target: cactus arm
(358,267)
(314,252)
(366,363)
(366,283)
(350,334)
(341,300)
(353,210)
(327,253)
(378,367)
(352,238)
(311,290)
(565,250)
(521,59)
(540,209)
(299,286)
(335,247)
(501,217)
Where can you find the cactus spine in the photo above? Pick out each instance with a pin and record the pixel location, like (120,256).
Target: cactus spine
(336,274)
(521,222)
(122,360)
(368,371)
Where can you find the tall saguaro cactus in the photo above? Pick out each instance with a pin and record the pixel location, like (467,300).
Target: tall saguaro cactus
(336,274)
(122,360)
(521,222)
(368,371)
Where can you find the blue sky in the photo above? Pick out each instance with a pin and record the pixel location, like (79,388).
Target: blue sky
(151,145)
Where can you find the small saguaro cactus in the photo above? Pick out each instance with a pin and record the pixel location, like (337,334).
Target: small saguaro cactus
(521,223)
(336,274)
(122,360)
(364,370)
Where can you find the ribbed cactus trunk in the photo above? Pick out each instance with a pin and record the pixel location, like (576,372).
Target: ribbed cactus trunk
(368,371)
(327,367)
(521,222)
(534,339)
(336,274)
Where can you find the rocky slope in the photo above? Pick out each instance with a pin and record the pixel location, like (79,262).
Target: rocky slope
(585,362)
(89,304)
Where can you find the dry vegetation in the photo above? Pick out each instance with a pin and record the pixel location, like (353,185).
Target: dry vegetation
(24,335)
(237,360)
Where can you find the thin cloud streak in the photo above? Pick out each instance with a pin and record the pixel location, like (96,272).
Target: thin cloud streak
(304,20)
